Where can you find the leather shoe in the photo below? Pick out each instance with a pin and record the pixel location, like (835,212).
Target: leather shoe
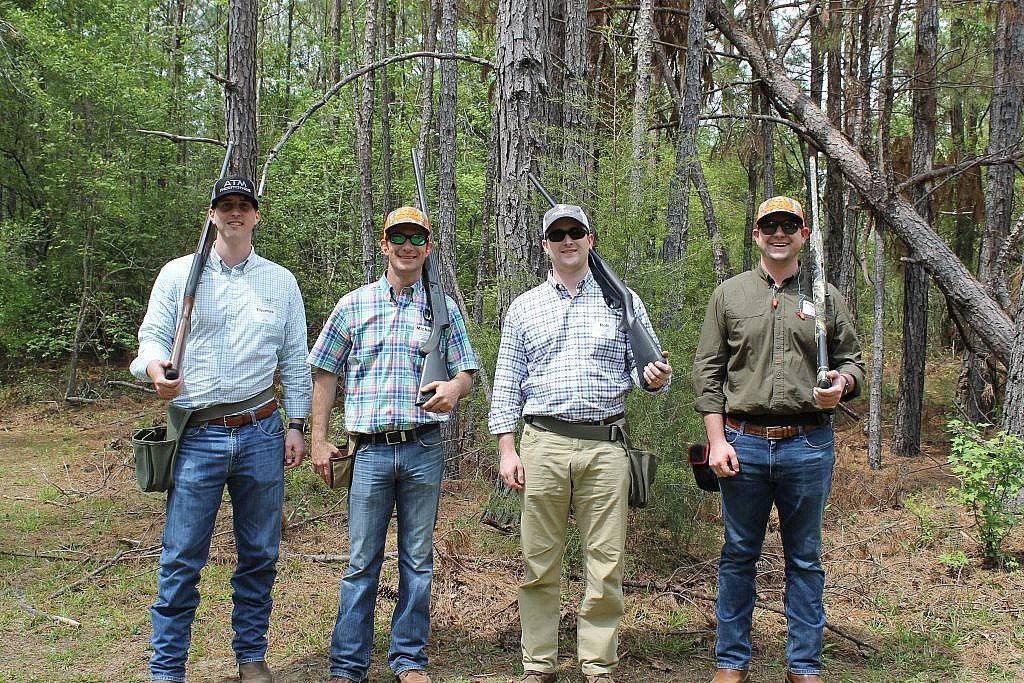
(803,678)
(537,677)
(731,676)
(255,672)
(413,676)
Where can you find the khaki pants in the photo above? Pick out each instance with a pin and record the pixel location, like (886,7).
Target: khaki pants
(593,478)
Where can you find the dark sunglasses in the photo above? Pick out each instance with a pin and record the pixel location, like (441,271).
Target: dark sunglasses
(788,227)
(557,235)
(418,239)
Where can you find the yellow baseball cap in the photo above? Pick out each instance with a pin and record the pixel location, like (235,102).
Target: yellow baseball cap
(406,215)
(780,204)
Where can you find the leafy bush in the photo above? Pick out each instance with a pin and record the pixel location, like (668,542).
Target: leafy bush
(991,472)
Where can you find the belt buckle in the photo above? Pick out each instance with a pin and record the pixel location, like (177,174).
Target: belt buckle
(776,432)
(399,435)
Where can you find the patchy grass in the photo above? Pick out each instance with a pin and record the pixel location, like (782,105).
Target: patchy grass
(79,542)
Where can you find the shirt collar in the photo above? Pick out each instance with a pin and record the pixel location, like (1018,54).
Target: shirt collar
(218,263)
(585,284)
(771,282)
(384,285)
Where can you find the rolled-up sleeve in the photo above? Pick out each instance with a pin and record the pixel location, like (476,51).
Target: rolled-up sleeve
(711,359)
(844,347)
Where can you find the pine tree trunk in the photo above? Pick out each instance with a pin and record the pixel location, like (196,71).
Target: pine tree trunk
(906,438)
(877,354)
(521,96)
(364,143)
(423,144)
(576,162)
(641,99)
(241,94)
(387,98)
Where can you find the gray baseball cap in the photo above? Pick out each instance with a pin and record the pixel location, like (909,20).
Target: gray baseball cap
(560,211)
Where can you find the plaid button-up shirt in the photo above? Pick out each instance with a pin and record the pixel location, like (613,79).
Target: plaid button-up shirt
(563,357)
(372,340)
(248,322)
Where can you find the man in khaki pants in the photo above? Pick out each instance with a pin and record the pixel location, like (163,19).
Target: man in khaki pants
(566,368)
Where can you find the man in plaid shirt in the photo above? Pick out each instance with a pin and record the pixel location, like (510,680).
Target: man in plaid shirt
(372,339)
(564,366)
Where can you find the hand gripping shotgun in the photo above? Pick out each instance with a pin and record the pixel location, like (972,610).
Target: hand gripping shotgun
(188,300)
(645,348)
(435,365)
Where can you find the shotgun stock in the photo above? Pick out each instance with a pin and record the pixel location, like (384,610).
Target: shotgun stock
(643,344)
(188,300)
(435,365)
(817,249)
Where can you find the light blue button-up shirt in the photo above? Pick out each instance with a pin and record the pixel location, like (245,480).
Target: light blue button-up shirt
(247,322)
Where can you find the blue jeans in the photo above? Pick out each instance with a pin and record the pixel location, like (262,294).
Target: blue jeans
(405,477)
(795,475)
(249,460)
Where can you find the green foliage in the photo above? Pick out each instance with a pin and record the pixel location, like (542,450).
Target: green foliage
(991,472)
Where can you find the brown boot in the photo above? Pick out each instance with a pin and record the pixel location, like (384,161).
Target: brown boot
(600,678)
(537,677)
(413,676)
(803,678)
(255,672)
(731,676)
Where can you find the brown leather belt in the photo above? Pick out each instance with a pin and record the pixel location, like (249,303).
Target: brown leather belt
(785,432)
(241,419)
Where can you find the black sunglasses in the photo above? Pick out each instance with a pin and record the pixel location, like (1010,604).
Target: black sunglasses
(557,235)
(788,227)
(418,239)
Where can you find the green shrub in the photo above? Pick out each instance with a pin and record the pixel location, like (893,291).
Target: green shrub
(991,472)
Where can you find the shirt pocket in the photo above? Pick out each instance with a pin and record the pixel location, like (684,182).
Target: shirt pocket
(268,315)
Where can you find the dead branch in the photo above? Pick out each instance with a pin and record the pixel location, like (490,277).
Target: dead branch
(130,385)
(700,595)
(134,552)
(39,613)
(348,79)
(180,138)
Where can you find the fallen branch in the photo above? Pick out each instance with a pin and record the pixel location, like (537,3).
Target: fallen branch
(666,587)
(179,138)
(40,613)
(130,385)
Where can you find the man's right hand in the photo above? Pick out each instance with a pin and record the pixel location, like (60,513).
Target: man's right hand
(511,470)
(165,388)
(722,459)
(321,455)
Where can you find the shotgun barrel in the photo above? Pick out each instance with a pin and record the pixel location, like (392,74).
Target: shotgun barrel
(435,364)
(188,299)
(817,249)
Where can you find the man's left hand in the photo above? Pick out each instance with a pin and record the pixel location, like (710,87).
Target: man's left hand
(656,374)
(827,399)
(446,395)
(294,448)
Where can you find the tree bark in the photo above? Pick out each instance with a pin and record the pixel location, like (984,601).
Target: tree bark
(576,163)
(906,438)
(521,94)
(641,98)
(877,354)
(1013,404)
(962,290)
(241,89)
(1004,135)
(427,93)
(364,142)
(387,98)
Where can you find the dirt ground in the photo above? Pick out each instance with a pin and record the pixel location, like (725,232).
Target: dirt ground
(907,597)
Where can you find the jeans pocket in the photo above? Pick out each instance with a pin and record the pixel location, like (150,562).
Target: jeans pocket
(821,438)
(432,439)
(731,435)
(193,430)
(271,426)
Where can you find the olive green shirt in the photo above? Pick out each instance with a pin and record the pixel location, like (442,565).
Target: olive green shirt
(756,358)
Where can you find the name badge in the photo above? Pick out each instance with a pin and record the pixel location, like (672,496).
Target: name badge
(807,308)
(421,333)
(603,330)
(264,314)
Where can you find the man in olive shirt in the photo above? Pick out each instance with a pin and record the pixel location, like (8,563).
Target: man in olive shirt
(770,434)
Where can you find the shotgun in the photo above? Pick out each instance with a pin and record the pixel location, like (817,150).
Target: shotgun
(435,365)
(644,346)
(817,249)
(188,300)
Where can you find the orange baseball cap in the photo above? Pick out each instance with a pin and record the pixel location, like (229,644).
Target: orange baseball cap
(406,215)
(780,204)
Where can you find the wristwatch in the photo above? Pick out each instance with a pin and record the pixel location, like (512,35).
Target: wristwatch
(301,426)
